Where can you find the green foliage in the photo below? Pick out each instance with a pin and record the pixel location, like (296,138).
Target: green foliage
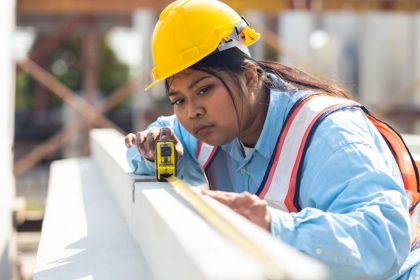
(23,98)
(65,63)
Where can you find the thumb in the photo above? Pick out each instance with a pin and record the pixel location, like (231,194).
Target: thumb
(165,133)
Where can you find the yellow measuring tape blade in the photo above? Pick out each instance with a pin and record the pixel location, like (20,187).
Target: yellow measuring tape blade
(272,270)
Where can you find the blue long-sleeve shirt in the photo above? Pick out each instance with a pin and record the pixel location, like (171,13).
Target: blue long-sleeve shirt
(355,211)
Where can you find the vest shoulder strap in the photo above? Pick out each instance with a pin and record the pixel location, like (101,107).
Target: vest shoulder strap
(405,161)
(282,180)
(280,186)
(205,154)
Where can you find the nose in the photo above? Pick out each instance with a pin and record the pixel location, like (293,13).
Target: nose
(195,110)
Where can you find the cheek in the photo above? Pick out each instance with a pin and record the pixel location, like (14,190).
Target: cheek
(225,111)
(182,117)
(226,115)
(180,114)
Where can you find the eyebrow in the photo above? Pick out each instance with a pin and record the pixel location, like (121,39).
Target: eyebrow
(171,93)
(197,81)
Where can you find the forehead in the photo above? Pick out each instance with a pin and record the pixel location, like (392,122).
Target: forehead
(185,78)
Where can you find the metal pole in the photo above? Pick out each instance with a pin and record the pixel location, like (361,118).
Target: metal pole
(143,23)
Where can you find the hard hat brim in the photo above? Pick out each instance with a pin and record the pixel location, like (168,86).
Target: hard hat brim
(152,84)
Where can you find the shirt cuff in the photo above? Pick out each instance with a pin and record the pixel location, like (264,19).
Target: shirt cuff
(138,164)
(282,224)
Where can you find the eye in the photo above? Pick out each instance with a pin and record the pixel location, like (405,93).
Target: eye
(204,90)
(177,102)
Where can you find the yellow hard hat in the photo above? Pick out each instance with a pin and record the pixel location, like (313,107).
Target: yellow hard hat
(189,30)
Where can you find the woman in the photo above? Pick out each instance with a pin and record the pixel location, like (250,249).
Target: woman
(331,187)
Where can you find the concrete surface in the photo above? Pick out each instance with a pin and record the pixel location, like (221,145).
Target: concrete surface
(84,235)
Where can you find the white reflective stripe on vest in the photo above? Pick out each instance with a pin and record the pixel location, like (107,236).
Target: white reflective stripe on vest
(204,154)
(292,141)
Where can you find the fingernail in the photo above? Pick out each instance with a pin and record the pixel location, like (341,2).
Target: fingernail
(164,133)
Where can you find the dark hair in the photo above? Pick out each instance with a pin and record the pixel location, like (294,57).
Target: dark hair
(232,60)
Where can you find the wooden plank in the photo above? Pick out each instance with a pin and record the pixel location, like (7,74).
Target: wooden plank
(83,6)
(128,6)
(372,5)
(62,137)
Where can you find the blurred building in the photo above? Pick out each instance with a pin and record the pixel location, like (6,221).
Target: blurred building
(370,47)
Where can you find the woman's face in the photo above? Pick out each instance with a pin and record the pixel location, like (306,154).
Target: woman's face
(204,107)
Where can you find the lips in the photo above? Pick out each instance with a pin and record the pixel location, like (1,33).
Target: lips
(203,130)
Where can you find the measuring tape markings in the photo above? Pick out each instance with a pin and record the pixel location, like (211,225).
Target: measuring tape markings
(272,269)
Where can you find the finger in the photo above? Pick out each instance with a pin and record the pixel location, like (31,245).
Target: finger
(139,142)
(218,193)
(222,197)
(223,193)
(259,214)
(179,148)
(129,140)
(150,144)
(155,133)
(214,195)
(242,201)
(166,133)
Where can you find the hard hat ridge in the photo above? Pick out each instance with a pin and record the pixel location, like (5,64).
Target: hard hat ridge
(236,39)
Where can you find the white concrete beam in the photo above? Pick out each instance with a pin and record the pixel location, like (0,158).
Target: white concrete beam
(84,234)
(172,235)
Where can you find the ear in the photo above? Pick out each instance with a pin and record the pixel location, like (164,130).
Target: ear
(250,74)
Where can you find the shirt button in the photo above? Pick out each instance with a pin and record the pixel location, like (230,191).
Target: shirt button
(318,251)
(243,170)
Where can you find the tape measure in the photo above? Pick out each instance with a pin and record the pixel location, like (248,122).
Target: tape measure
(165,159)
(272,269)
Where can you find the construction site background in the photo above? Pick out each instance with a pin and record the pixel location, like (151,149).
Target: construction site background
(83,65)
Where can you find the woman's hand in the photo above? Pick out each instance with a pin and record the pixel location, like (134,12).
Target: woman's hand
(248,205)
(145,141)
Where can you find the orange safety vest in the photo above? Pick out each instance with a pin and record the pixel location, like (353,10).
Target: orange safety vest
(281,183)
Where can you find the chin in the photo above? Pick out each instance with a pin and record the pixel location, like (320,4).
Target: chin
(215,142)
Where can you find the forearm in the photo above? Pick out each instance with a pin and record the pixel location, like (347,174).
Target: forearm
(371,242)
